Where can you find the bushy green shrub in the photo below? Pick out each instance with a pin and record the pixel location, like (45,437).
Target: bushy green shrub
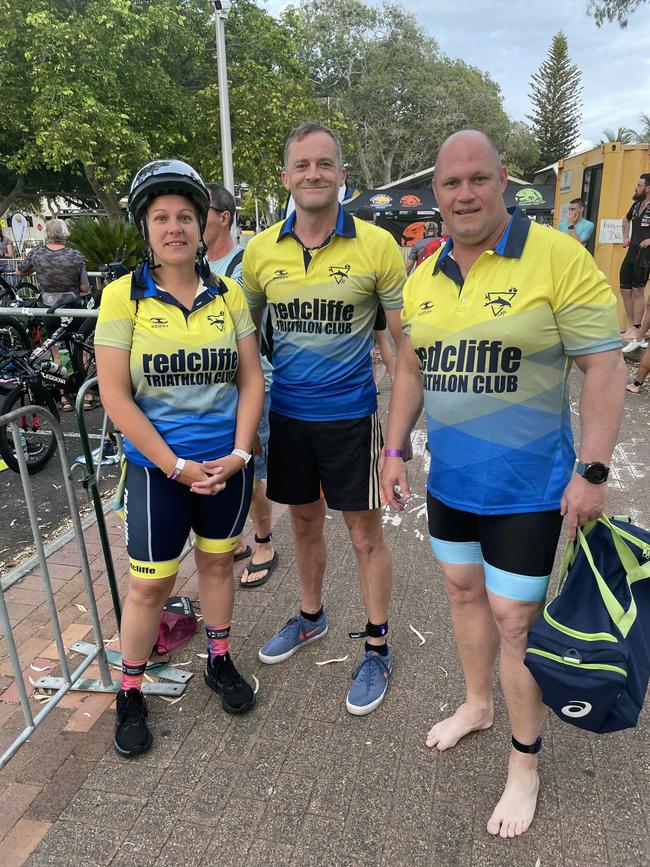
(102,242)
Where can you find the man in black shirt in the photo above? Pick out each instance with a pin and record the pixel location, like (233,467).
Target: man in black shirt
(636,265)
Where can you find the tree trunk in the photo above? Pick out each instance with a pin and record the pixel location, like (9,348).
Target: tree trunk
(365,169)
(108,199)
(16,193)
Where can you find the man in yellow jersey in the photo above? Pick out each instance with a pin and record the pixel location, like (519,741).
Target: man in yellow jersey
(323,275)
(494,319)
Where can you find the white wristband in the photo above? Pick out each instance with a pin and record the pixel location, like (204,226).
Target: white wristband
(178,469)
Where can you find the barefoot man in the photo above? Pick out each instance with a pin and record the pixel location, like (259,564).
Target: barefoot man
(494,320)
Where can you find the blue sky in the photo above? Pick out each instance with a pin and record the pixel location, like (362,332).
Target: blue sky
(510,40)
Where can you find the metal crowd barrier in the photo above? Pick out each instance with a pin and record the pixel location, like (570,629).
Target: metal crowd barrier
(70,680)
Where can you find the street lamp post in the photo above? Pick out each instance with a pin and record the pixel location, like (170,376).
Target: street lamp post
(221,9)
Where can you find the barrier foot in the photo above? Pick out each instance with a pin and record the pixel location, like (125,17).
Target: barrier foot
(172,689)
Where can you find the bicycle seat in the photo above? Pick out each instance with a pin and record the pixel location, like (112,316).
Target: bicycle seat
(68,299)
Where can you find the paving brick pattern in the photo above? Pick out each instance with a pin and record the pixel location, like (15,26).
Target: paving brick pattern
(298,781)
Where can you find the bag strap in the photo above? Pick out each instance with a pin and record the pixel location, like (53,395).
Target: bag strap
(567,559)
(621,618)
(638,543)
(236,260)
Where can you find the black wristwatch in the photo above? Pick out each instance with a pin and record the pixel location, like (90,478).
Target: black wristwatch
(596,473)
(572,227)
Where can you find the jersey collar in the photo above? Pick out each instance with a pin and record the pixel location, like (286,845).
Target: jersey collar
(344,226)
(143,285)
(510,245)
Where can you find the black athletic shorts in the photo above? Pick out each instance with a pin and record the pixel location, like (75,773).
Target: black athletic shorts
(516,551)
(635,268)
(337,459)
(159,514)
(380,320)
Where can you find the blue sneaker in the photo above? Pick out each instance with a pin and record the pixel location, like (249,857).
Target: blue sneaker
(294,634)
(370,682)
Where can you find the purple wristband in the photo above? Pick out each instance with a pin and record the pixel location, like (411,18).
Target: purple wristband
(393,453)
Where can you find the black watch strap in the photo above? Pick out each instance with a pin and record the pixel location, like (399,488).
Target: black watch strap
(594,472)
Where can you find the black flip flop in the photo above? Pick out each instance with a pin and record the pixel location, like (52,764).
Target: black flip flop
(270,566)
(244,554)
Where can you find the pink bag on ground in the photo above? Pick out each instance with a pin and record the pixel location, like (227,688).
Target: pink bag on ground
(177,624)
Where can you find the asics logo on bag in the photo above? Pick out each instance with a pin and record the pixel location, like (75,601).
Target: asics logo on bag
(576,709)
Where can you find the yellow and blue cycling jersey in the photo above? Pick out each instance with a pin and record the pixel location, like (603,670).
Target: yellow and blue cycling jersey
(183,363)
(323,304)
(495,352)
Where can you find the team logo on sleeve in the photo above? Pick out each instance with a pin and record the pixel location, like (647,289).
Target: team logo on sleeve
(340,273)
(217,320)
(499,302)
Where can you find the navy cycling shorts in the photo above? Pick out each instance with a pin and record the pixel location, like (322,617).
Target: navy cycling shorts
(159,514)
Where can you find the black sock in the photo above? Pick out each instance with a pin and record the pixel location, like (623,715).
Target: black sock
(312,617)
(381,649)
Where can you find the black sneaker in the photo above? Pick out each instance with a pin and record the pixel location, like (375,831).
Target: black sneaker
(132,735)
(222,677)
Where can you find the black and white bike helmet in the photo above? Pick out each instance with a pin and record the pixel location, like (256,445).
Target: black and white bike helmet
(167,177)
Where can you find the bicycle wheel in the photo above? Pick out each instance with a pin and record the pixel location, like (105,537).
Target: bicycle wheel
(13,334)
(36,432)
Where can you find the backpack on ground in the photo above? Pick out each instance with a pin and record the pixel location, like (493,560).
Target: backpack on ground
(177,624)
(590,650)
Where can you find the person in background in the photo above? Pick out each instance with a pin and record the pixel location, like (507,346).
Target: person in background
(635,386)
(635,267)
(434,244)
(379,329)
(225,259)
(59,269)
(6,253)
(430,231)
(575,225)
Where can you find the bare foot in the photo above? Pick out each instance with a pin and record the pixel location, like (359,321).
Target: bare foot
(632,388)
(514,813)
(631,334)
(448,732)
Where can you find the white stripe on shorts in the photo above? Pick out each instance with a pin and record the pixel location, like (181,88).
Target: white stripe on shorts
(374,500)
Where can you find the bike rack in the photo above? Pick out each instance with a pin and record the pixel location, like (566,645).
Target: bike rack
(70,680)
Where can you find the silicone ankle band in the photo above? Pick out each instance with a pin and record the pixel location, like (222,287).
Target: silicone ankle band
(372,630)
(265,540)
(527,748)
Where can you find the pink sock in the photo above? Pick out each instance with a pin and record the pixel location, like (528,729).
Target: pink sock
(218,640)
(132,674)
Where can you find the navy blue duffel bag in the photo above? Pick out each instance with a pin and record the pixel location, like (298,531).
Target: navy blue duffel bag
(590,650)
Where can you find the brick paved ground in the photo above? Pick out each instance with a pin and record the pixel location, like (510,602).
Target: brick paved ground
(298,780)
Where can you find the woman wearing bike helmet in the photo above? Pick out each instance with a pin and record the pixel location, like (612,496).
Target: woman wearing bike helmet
(180,376)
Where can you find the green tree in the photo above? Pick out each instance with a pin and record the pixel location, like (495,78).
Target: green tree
(623,134)
(643,135)
(555,94)
(386,77)
(613,10)
(106,85)
(521,151)
(270,92)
